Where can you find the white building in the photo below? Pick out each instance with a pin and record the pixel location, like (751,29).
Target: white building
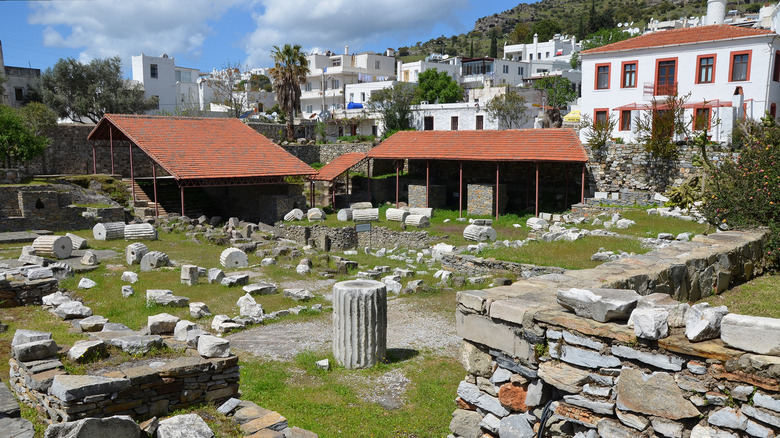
(558,48)
(175,87)
(482,72)
(330,73)
(19,78)
(729,72)
(361,92)
(410,71)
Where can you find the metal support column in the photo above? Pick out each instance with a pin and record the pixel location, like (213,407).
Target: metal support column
(397,172)
(427,181)
(368,179)
(582,195)
(536,203)
(111,140)
(94,161)
(566,197)
(460,190)
(154,182)
(181,188)
(496,190)
(132,177)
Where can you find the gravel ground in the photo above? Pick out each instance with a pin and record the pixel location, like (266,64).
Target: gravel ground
(408,327)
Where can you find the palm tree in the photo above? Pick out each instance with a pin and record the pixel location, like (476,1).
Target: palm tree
(288,73)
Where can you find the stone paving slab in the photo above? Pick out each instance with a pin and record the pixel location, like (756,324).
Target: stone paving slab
(20,236)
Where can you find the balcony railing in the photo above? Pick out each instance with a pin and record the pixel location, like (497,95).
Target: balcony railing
(654,89)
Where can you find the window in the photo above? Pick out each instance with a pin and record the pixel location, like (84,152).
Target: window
(539,55)
(531,56)
(666,77)
(428,123)
(706,69)
(376,65)
(454,123)
(773,110)
(600,115)
(546,54)
(506,69)
(351,97)
(520,71)
(602,76)
(153,70)
(309,108)
(177,75)
(702,119)
(362,97)
(186,76)
(625,120)
(481,122)
(337,62)
(336,84)
(307,87)
(19,94)
(740,66)
(629,75)
(776,71)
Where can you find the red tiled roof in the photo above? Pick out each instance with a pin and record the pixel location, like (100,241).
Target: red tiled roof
(338,166)
(200,148)
(688,35)
(561,145)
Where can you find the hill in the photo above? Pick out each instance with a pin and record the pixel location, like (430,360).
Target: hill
(548,17)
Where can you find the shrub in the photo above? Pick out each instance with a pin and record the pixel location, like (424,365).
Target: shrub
(745,193)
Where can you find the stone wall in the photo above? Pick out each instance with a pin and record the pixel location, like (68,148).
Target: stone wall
(140,392)
(20,291)
(629,168)
(419,193)
(471,265)
(481,200)
(10,176)
(278,131)
(36,207)
(342,238)
(522,350)
(325,153)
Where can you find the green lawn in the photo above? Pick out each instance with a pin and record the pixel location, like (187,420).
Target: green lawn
(758,297)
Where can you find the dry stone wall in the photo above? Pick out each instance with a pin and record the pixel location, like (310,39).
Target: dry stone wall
(141,392)
(629,168)
(341,238)
(471,265)
(522,349)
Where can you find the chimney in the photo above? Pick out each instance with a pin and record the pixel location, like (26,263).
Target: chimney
(716,11)
(346,50)
(737,101)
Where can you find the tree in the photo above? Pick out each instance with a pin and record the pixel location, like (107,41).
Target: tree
(17,140)
(38,118)
(509,109)
(3,80)
(437,87)
(394,105)
(665,121)
(545,29)
(228,88)
(519,33)
(557,92)
(288,73)
(260,82)
(743,192)
(494,44)
(88,91)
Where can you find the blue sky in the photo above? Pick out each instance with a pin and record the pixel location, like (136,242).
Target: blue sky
(206,34)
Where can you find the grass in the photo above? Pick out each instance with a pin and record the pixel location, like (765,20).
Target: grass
(757,297)
(568,255)
(329,403)
(650,225)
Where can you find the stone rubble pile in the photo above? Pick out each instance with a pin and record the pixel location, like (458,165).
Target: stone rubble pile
(561,342)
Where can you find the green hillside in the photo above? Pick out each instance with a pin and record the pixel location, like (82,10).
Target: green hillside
(548,17)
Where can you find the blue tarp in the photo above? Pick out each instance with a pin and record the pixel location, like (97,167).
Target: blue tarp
(353,105)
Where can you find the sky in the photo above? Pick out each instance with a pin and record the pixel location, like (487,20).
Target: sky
(209,34)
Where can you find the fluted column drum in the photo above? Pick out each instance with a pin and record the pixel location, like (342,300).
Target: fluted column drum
(359,323)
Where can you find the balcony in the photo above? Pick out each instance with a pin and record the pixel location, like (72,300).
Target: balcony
(652,89)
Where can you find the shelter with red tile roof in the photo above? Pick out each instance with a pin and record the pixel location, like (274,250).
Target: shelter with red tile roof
(199,152)
(519,152)
(725,72)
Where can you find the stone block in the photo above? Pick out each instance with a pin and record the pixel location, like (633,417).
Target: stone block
(655,394)
(187,425)
(233,258)
(702,322)
(72,310)
(135,252)
(153,260)
(68,388)
(189,275)
(212,346)
(86,351)
(120,426)
(751,333)
(129,277)
(650,323)
(23,336)
(162,323)
(599,304)
(35,350)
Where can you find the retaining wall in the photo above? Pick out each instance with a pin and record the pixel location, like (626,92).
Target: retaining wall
(471,265)
(141,392)
(521,349)
(341,238)
(19,291)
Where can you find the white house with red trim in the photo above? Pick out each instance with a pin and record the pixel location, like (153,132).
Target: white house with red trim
(729,71)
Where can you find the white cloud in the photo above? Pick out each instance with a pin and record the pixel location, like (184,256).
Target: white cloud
(333,24)
(128,27)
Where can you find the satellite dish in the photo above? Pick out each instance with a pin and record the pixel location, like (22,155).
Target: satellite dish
(620,25)
(445,57)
